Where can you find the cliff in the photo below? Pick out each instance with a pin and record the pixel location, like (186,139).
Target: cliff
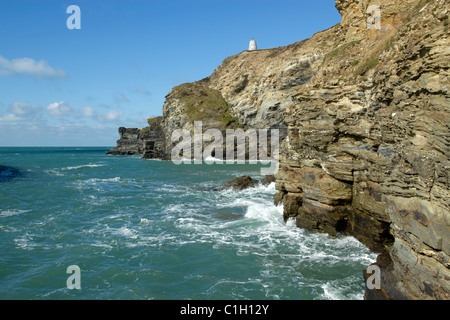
(148,142)
(367,148)
(363,112)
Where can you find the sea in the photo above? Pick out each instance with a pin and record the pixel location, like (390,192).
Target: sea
(77,224)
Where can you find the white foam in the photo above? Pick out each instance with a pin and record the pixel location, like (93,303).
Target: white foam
(330,292)
(258,190)
(94,180)
(211,160)
(83,166)
(126,232)
(54,172)
(13,212)
(264,212)
(25,242)
(145,221)
(340,290)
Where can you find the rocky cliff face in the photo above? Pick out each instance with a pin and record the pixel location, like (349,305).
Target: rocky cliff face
(148,142)
(129,143)
(191,102)
(154,140)
(363,112)
(367,152)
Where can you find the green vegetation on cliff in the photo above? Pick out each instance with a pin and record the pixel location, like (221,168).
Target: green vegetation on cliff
(202,102)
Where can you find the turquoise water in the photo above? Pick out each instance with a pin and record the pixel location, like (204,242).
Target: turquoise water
(146,229)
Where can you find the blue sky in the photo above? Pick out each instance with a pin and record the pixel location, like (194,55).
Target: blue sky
(62,87)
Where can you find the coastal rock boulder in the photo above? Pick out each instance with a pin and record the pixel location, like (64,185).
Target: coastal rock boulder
(241,183)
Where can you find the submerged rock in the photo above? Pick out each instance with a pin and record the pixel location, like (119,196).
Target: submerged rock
(7,173)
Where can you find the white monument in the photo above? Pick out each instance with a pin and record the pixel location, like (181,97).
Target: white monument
(252,46)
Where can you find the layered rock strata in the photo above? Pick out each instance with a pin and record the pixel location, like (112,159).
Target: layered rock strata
(148,142)
(367,152)
(129,143)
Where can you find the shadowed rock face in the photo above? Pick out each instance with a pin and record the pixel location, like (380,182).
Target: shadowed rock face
(130,142)
(148,142)
(363,115)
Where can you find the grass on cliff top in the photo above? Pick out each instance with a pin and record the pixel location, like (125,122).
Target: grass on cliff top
(227,60)
(202,102)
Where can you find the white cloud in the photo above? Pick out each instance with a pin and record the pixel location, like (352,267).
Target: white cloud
(88,112)
(111,116)
(24,108)
(59,109)
(28,66)
(63,109)
(10,118)
(21,111)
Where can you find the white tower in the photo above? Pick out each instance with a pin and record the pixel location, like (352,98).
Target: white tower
(252,46)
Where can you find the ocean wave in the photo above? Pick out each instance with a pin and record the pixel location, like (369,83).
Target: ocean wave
(145,221)
(13,212)
(25,242)
(54,172)
(125,232)
(342,289)
(258,190)
(83,166)
(95,180)
(211,160)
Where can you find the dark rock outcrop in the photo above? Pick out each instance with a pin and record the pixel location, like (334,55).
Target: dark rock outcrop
(268,180)
(148,142)
(154,139)
(130,142)
(8,173)
(241,183)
